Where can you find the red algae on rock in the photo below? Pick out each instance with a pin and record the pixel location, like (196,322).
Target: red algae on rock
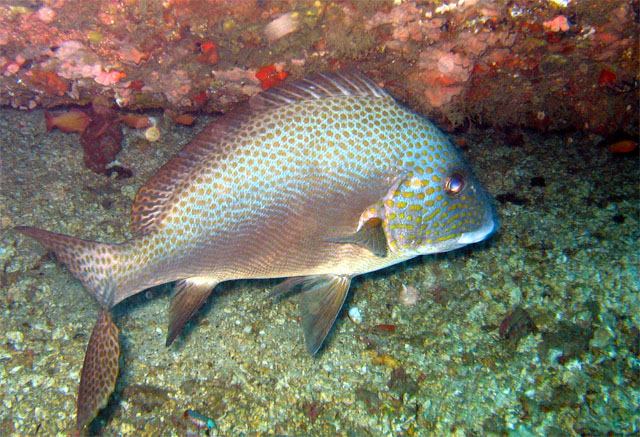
(492,61)
(607,77)
(207,52)
(270,76)
(49,82)
(558,24)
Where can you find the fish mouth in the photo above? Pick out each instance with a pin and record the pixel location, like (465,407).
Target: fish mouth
(488,226)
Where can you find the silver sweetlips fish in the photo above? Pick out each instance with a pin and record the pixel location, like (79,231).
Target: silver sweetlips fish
(318,181)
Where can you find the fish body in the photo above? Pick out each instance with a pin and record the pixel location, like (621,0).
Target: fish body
(71,121)
(135,121)
(317,181)
(624,146)
(185,119)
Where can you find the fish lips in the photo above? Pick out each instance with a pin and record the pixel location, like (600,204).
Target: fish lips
(488,227)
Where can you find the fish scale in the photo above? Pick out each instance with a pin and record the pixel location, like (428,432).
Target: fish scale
(317,181)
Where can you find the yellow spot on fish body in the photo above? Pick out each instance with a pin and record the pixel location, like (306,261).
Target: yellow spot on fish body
(453,219)
(447,237)
(402,226)
(432,215)
(415,182)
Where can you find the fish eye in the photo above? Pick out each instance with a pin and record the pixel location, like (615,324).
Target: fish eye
(454,184)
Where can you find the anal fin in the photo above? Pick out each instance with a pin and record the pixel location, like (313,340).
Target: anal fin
(320,302)
(189,295)
(370,236)
(99,371)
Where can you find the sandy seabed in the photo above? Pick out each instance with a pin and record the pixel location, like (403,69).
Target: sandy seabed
(566,253)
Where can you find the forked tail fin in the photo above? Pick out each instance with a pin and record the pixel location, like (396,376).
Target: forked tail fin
(93,263)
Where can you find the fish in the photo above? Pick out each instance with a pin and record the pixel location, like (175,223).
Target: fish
(135,121)
(621,147)
(71,121)
(185,119)
(199,419)
(316,181)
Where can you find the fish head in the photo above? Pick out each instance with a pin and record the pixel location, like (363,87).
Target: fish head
(437,205)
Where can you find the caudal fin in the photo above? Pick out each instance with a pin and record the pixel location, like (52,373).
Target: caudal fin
(99,371)
(94,264)
(48,118)
(91,262)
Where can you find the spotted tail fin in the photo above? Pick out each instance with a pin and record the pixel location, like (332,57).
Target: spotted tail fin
(99,371)
(93,263)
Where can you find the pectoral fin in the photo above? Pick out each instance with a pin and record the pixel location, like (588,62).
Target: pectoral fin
(189,295)
(320,302)
(370,236)
(99,371)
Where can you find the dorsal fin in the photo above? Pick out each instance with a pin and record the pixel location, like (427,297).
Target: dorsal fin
(320,86)
(149,203)
(151,198)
